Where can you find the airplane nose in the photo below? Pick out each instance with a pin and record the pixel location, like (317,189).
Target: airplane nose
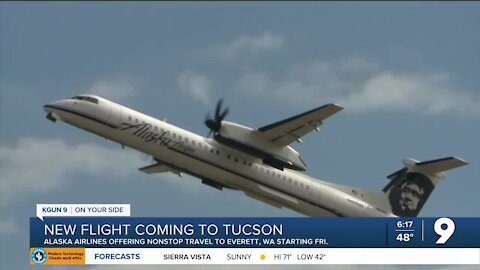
(47,108)
(52,108)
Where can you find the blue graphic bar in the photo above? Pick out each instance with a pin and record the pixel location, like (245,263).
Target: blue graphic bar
(145,232)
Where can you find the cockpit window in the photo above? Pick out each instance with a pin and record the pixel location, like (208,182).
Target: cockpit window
(89,99)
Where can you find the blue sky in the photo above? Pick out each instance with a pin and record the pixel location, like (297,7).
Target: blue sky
(406,73)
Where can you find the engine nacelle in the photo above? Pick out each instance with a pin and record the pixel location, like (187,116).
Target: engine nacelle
(251,141)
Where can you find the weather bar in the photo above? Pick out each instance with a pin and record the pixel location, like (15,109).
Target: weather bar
(93,256)
(144,240)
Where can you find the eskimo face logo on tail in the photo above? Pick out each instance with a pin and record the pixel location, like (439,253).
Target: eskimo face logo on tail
(409,195)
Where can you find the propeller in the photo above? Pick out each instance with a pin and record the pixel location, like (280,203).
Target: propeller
(215,123)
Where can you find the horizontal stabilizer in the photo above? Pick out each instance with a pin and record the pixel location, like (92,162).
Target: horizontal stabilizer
(433,167)
(160,168)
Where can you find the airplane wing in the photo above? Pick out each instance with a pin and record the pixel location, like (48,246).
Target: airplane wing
(289,130)
(160,168)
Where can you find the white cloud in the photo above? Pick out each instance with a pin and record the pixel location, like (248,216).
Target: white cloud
(361,85)
(114,89)
(196,86)
(430,93)
(8,226)
(246,46)
(44,165)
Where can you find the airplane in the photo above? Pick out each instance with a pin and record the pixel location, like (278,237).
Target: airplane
(258,161)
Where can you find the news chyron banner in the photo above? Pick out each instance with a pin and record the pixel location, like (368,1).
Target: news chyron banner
(107,234)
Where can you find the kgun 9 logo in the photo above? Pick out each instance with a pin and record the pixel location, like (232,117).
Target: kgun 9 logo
(445,228)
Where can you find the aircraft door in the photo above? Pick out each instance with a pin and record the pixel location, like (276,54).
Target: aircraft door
(104,109)
(117,114)
(315,194)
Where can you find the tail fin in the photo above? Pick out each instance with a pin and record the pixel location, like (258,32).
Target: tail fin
(410,187)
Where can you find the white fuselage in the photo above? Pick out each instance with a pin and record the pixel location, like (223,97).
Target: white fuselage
(207,159)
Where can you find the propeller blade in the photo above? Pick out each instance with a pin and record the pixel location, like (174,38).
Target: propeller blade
(214,124)
(218,108)
(224,113)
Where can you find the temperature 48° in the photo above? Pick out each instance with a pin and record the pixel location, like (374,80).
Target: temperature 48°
(404,237)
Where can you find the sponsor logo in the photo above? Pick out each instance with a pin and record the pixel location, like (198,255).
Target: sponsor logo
(39,256)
